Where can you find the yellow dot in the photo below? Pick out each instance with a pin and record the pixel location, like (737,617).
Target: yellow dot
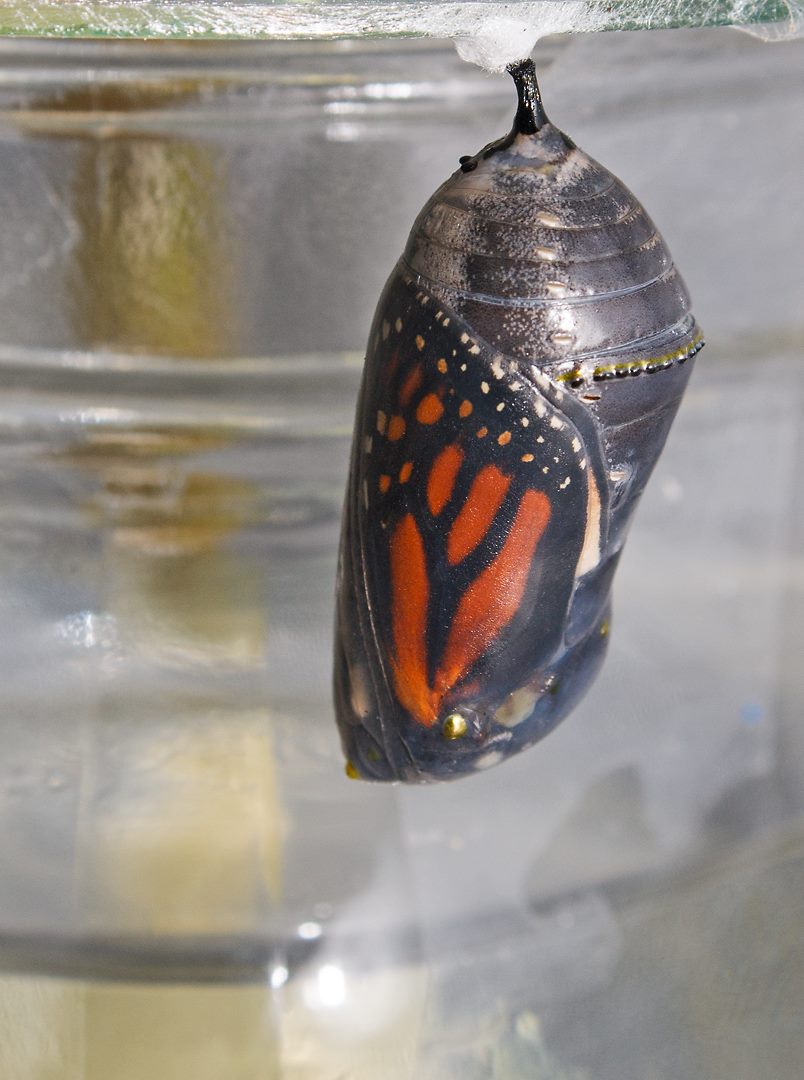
(351,771)
(465,409)
(454,727)
(504,438)
(405,471)
(442,366)
(419,342)
(604,628)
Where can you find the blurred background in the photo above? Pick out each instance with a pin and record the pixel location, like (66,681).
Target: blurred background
(192,241)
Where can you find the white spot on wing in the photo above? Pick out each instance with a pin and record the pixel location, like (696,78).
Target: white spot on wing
(359,696)
(590,552)
(488,761)
(516,707)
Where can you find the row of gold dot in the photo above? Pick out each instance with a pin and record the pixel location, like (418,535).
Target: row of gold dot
(684,353)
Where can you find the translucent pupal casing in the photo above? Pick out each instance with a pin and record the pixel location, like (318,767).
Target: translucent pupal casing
(526,360)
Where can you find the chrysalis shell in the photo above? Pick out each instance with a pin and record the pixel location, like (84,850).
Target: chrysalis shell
(526,360)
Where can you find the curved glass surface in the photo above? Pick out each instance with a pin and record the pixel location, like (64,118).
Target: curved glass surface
(193,241)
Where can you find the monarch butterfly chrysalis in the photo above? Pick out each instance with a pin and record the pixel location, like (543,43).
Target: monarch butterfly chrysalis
(526,360)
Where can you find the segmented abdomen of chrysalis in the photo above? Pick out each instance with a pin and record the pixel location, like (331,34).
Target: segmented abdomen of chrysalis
(527,358)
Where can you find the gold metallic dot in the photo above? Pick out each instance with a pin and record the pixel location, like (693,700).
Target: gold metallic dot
(604,628)
(454,727)
(351,771)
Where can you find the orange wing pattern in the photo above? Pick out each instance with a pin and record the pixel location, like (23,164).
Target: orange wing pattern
(441,481)
(491,593)
(465,524)
(410,593)
(485,498)
(492,600)
(485,608)
(461,471)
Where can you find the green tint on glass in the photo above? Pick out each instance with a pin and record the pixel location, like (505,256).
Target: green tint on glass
(327,18)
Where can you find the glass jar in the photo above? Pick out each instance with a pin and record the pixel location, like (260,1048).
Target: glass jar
(193,239)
